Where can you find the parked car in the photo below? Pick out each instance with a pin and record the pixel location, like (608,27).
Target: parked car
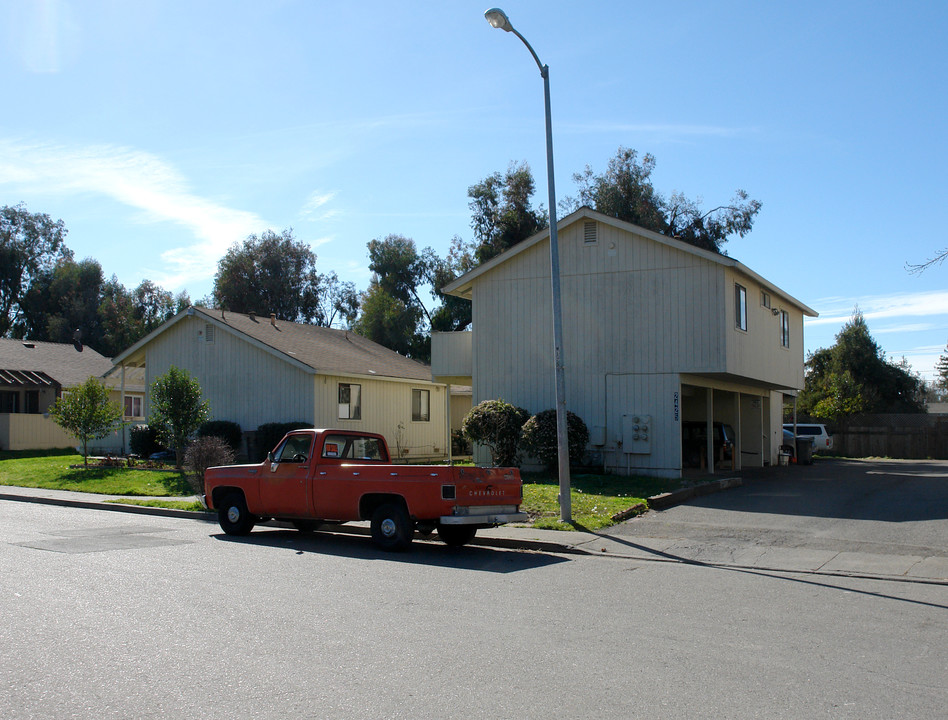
(817,434)
(789,445)
(694,441)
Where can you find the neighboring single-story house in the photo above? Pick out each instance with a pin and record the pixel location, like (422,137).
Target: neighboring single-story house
(32,376)
(255,370)
(656,333)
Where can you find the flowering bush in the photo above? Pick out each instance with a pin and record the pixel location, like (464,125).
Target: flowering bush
(538,437)
(496,424)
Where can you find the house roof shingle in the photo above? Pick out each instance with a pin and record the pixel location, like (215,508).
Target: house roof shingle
(325,350)
(59,361)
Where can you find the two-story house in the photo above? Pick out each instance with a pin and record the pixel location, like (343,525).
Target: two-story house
(656,333)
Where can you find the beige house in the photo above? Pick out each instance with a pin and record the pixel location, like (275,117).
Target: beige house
(658,336)
(32,376)
(256,370)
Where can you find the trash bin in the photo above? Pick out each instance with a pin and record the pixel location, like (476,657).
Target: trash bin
(804,451)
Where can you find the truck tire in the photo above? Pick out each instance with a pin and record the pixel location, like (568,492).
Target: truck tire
(456,535)
(392,529)
(233,516)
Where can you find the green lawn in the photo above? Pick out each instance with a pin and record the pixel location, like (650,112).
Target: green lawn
(51,471)
(595,499)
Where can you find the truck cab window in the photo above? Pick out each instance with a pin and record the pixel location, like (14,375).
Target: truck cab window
(294,449)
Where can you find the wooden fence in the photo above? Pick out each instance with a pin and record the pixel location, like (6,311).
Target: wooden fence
(910,437)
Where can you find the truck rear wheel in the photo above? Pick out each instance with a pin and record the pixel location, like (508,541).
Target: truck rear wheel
(392,529)
(233,516)
(456,535)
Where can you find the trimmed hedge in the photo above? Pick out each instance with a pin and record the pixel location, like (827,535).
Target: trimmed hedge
(496,425)
(539,438)
(228,431)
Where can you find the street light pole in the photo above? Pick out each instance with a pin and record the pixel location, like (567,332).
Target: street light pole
(498,19)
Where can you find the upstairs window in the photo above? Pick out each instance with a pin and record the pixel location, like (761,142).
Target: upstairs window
(350,401)
(740,307)
(420,405)
(785,328)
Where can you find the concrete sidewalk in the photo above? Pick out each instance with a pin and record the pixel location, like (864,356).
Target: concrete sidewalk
(932,569)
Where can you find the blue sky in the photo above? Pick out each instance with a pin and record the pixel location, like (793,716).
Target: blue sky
(162,132)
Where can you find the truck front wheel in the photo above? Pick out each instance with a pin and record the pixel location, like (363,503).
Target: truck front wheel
(233,516)
(456,535)
(391,527)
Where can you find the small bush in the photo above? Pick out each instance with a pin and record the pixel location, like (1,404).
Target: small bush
(229,431)
(539,438)
(143,441)
(269,434)
(496,424)
(460,445)
(205,452)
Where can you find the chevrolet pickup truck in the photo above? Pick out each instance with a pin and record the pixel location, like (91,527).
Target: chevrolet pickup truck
(316,477)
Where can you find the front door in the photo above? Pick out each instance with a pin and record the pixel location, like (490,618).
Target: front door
(284,487)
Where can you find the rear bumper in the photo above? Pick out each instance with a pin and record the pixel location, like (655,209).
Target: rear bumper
(486,520)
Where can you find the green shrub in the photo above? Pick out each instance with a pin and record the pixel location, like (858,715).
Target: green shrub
(539,438)
(229,431)
(269,434)
(496,425)
(143,441)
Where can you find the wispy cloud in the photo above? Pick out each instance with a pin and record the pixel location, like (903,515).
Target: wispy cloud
(139,180)
(315,210)
(837,310)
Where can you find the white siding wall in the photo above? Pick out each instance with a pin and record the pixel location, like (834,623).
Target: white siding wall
(758,353)
(385,405)
(630,306)
(243,383)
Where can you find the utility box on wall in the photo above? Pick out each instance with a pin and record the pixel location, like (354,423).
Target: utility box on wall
(637,434)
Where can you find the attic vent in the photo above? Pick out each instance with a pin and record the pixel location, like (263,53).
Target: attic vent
(209,333)
(590,231)
(765,298)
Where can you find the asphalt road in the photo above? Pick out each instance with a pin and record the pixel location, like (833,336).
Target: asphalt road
(106,615)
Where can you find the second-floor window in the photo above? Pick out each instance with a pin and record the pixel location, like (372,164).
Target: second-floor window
(785,328)
(740,307)
(420,405)
(350,401)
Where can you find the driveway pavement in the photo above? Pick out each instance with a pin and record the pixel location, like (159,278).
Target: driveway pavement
(871,517)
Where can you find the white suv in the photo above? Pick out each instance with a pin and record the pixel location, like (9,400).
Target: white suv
(818,435)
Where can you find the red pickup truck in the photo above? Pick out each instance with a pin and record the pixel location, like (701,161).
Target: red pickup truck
(332,476)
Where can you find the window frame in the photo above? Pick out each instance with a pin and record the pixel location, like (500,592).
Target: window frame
(349,404)
(128,403)
(424,408)
(784,329)
(740,307)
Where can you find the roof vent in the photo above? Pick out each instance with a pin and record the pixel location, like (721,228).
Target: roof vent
(273,319)
(590,231)
(29,345)
(252,318)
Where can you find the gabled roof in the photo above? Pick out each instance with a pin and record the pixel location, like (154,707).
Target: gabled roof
(462,286)
(59,361)
(319,350)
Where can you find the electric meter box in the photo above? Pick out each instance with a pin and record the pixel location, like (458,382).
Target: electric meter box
(637,434)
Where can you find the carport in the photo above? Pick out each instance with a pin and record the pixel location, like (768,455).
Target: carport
(744,412)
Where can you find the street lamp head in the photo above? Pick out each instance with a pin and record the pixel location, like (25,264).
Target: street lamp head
(498,19)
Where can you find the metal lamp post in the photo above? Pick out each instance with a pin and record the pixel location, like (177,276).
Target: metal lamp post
(498,19)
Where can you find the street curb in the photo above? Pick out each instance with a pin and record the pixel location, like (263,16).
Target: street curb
(113,507)
(670,499)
